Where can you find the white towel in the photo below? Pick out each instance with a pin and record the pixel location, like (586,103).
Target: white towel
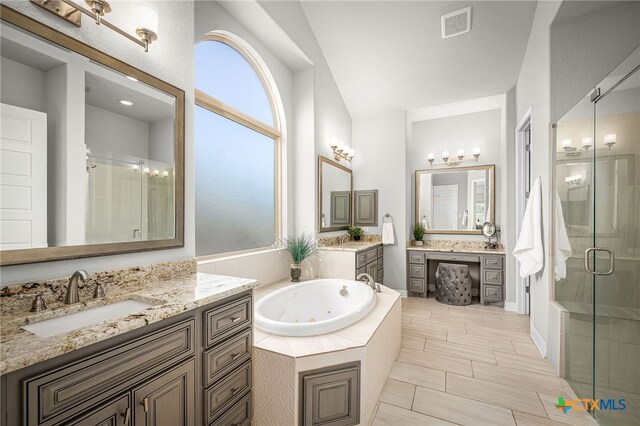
(562,249)
(387,233)
(529,250)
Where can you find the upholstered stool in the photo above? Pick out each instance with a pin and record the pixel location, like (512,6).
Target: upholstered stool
(453,284)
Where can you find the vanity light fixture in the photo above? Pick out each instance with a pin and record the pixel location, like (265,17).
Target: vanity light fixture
(447,160)
(146,170)
(125,102)
(587,143)
(341,151)
(144,14)
(610,140)
(571,151)
(573,180)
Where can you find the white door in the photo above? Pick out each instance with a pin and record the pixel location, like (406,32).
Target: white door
(23,178)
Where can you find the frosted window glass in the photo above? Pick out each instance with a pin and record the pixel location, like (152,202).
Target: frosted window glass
(235,186)
(222,72)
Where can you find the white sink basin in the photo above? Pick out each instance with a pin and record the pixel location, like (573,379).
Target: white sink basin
(77,320)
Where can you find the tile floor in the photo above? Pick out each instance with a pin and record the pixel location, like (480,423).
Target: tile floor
(473,365)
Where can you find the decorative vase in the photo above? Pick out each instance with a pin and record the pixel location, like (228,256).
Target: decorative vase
(296,272)
(356,238)
(418,243)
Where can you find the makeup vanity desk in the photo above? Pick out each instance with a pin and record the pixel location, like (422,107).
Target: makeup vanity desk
(486,267)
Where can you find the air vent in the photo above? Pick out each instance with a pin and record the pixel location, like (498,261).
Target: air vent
(456,23)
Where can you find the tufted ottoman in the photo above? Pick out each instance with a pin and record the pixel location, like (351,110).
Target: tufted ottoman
(453,284)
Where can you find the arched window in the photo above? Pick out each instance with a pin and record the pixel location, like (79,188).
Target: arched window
(237,148)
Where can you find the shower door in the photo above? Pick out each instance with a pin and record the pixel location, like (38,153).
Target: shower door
(597,178)
(614,259)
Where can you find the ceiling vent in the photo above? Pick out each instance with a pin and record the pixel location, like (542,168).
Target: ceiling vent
(456,23)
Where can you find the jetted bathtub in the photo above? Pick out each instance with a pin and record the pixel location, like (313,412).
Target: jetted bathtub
(314,307)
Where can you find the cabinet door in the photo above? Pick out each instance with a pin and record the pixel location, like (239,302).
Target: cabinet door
(167,400)
(372,269)
(114,413)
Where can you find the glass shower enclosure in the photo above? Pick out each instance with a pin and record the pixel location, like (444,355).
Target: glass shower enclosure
(597,225)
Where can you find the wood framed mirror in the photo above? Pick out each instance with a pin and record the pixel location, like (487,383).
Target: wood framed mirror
(464,196)
(335,196)
(92,150)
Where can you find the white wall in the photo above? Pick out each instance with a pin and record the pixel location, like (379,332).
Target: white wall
(127,137)
(170,58)
(380,164)
(161,141)
(22,85)
(480,129)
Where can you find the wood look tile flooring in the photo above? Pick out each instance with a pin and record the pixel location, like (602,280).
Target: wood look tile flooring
(473,365)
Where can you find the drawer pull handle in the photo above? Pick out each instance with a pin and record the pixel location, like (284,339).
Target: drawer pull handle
(234,319)
(234,391)
(145,404)
(235,355)
(127,416)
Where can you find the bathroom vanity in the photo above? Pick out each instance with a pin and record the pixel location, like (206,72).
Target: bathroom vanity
(185,361)
(350,259)
(486,267)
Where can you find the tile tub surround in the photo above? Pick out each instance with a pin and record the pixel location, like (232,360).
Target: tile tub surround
(374,340)
(471,365)
(456,246)
(19,348)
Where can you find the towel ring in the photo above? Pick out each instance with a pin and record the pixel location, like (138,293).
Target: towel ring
(387,216)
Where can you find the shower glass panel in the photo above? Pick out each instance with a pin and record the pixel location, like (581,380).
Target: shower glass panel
(617,226)
(598,184)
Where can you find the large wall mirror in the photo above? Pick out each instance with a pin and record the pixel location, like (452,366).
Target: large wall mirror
(335,196)
(92,150)
(456,200)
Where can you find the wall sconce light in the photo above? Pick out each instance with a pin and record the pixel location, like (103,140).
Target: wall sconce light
(341,151)
(567,145)
(70,11)
(446,158)
(573,180)
(587,143)
(610,140)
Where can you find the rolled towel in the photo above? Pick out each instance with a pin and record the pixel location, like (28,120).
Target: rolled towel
(387,234)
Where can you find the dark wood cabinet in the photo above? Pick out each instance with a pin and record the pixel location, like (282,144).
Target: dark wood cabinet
(162,374)
(167,400)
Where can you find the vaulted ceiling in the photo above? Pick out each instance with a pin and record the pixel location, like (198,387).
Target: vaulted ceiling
(386,55)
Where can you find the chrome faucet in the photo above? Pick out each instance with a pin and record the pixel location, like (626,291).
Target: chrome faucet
(343,237)
(72,295)
(368,279)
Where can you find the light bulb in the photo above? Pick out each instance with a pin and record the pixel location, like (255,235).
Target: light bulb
(431,156)
(445,154)
(476,151)
(587,142)
(146,170)
(461,153)
(567,143)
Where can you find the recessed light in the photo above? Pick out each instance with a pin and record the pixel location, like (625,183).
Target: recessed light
(132,78)
(125,102)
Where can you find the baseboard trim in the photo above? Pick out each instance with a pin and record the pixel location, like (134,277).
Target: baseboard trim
(403,293)
(511,306)
(539,341)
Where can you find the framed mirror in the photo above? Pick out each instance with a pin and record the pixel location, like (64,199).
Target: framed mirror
(92,150)
(456,200)
(335,195)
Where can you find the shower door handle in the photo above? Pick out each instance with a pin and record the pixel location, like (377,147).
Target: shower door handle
(612,261)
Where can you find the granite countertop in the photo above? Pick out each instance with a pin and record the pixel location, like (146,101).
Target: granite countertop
(354,246)
(20,348)
(456,246)
(354,336)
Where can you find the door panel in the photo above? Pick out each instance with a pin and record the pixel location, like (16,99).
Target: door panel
(23,180)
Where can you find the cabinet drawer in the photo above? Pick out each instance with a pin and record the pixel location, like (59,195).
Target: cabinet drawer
(226,356)
(416,271)
(494,262)
(238,415)
(454,257)
(361,260)
(225,320)
(417,285)
(372,254)
(380,251)
(226,393)
(416,257)
(492,292)
(54,397)
(493,276)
